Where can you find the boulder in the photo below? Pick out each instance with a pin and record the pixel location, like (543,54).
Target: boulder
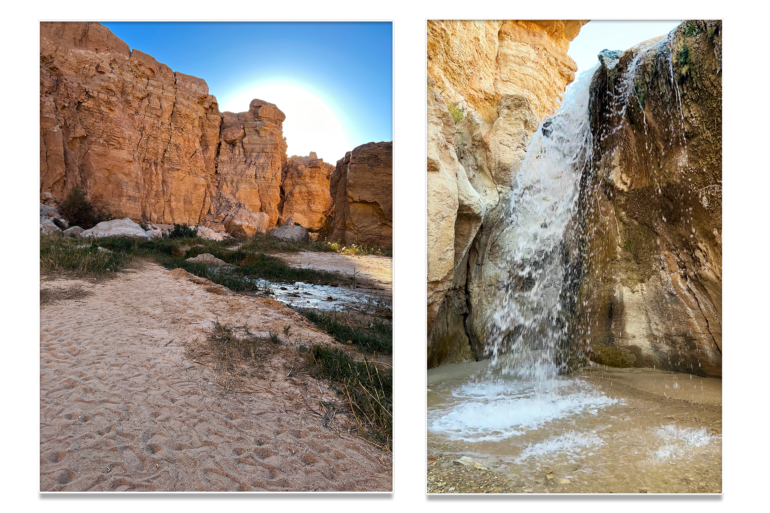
(49,212)
(116,228)
(208,259)
(74,231)
(209,234)
(290,233)
(47,227)
(246,223)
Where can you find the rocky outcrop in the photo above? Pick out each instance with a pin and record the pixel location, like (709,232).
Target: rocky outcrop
(305,191)
(362,190)
(149,143)
(652,205)
(490,83)
(252,154)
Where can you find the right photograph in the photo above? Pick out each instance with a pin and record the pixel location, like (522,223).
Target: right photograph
(574,228)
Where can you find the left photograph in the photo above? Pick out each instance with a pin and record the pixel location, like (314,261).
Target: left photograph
(216,256)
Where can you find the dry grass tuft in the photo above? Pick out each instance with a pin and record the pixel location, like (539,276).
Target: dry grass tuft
(55,294)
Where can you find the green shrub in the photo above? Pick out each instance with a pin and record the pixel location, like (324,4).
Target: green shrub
(78,210)
(182,231)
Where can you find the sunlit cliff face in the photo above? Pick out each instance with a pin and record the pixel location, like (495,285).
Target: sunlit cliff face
(312,124)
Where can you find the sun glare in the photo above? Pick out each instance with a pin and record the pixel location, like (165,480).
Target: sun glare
(311,124)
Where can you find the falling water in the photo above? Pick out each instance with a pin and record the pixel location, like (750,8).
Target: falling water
(519,414)
(530,324)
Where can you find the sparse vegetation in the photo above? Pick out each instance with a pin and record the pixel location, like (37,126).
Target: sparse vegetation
(456,111)
(367,387)
(691,29)
(99,258)
(371,333)
(356,249)
(78,210)
(182,231)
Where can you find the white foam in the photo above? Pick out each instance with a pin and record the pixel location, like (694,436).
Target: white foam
(571,444)
(677,440)
(499,410)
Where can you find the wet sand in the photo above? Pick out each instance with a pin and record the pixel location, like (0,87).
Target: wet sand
(123,408)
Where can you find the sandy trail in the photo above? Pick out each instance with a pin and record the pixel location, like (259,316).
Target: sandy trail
(373,270)
(123,409)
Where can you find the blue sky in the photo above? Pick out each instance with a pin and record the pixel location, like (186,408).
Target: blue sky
(333,80)
(599,35)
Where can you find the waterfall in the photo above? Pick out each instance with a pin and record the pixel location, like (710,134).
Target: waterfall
(530,324)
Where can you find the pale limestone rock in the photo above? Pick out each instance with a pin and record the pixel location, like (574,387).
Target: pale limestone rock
(116,228)
(47,227)
(290,232)
(74,231)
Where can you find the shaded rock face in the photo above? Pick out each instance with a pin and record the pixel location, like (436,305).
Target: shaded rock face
(306,195)
(362,190)
(148,142)
(652,204)
(498,80)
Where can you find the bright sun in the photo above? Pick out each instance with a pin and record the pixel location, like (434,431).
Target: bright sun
(311,125)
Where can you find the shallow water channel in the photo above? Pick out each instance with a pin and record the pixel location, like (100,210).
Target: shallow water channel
(598,430)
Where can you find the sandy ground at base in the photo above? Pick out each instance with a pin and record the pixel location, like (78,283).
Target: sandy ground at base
(123,408)
(374,270)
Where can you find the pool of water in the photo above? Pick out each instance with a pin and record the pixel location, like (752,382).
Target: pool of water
(599,430)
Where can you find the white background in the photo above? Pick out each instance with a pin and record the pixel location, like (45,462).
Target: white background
(745,174)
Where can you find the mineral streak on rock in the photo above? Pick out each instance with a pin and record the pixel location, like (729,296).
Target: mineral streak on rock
(652,204)
(362,191)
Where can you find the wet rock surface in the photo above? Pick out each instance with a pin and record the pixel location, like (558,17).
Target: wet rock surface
(490,83)
(652,204)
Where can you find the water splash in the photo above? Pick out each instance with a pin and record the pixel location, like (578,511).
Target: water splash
(528,325)
(494,411)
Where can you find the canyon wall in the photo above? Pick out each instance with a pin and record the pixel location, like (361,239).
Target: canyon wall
(362,190)
(150,144)
(652,206)
(306,191)
(490,83)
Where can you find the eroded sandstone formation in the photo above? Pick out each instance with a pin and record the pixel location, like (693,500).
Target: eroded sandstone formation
(490,83)
(652,206)
(362,190)
(150,144)
(306,189)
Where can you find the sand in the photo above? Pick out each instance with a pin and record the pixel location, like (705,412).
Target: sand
(122,407)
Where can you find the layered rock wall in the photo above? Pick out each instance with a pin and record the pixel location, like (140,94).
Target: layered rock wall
(150,144)
(490,83)
(362,190)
